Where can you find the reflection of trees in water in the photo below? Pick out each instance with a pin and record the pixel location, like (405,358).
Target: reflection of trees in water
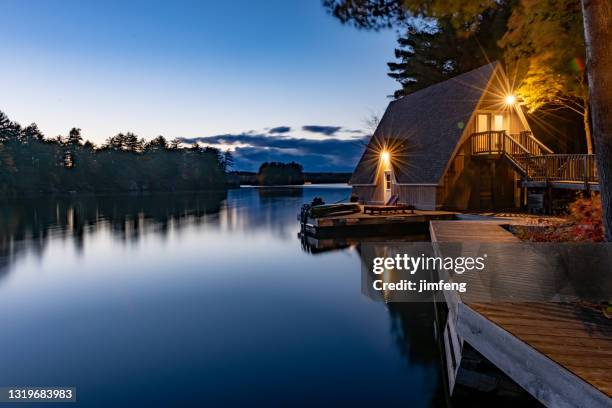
(412,321)
(271,209)
(412,315)
(272,193)
(28,224)
(412,326)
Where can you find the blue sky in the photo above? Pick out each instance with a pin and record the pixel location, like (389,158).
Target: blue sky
(196,70)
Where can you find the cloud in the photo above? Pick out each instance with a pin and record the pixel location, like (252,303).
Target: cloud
(280,129)
(330,154)
(356,131)
(325,130)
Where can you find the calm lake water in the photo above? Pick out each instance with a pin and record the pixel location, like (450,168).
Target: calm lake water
(201,299)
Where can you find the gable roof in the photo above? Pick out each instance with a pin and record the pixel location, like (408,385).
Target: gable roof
(422,129)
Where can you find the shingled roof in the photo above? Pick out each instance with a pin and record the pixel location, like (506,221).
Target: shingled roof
(423,129)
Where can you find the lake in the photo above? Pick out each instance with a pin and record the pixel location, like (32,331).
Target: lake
(201,299)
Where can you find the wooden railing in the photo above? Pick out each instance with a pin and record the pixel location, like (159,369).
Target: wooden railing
(498,141)
(579,168)
(533,145)
(533,160)
(487,142)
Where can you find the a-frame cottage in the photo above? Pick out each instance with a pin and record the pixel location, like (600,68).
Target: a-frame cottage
(459,144)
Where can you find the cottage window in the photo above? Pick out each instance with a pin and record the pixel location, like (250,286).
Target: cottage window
(387,180)
(482,123)
(498,122)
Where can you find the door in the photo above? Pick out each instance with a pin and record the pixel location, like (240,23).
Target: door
(486,122)
(387,185)
(482,122)
(498,122)
(491,122)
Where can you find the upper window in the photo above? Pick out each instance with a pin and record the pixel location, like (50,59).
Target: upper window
(482,122)
(486,122)
(498,122)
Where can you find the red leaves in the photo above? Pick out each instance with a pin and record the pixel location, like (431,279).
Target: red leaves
(584,224)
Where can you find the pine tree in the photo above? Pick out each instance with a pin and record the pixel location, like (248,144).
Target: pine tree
(74,137)
(433,52)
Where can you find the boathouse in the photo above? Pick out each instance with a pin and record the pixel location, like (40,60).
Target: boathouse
(461,144)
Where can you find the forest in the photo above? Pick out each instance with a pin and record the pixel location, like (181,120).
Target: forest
(31,163)
(275,173)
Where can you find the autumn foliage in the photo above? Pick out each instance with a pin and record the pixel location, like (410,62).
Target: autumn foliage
(584,223)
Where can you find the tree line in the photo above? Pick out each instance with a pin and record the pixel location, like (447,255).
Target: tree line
(276,173)
(30,163)
(250,178)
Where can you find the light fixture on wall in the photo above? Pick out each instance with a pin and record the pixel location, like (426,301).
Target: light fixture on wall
(510,100)
(385,156)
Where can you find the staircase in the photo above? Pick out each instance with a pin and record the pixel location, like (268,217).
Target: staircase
(534,161)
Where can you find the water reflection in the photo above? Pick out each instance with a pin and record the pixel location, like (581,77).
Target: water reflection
(412,323)
(30,224)
(210,294)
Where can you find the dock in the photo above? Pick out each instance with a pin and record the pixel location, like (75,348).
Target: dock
(373,223)
(561,353)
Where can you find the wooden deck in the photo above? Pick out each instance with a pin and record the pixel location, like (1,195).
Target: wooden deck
(561,353)
(563,185)
(535,162)
(373,220)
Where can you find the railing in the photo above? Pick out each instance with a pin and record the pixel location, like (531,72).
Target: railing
(579,168)
(533,145)
(533,160)
(497,142)
(487,142)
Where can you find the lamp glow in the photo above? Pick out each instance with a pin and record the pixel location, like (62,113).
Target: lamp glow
(384,155)
(510,99)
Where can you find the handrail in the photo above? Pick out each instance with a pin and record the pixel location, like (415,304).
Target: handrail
(562,167)
(533,159)
(494,142)
(518,144)
(563,155)
(530,135)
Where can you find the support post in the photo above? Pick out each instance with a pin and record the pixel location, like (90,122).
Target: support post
(548,199)
(586,174)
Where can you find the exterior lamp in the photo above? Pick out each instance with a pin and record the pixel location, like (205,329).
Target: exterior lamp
(510,99)
(384,155)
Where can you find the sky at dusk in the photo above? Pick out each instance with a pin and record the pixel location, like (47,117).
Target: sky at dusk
(274,80)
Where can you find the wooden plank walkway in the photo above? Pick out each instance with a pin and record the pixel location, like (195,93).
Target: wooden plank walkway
(561,353)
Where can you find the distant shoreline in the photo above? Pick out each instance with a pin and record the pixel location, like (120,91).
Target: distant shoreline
(329,185)
(247,178)
(220,191)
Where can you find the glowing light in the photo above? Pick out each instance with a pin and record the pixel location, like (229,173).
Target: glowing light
(385,156)
(510,99)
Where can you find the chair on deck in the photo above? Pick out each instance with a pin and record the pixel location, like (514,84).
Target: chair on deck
(390,207)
